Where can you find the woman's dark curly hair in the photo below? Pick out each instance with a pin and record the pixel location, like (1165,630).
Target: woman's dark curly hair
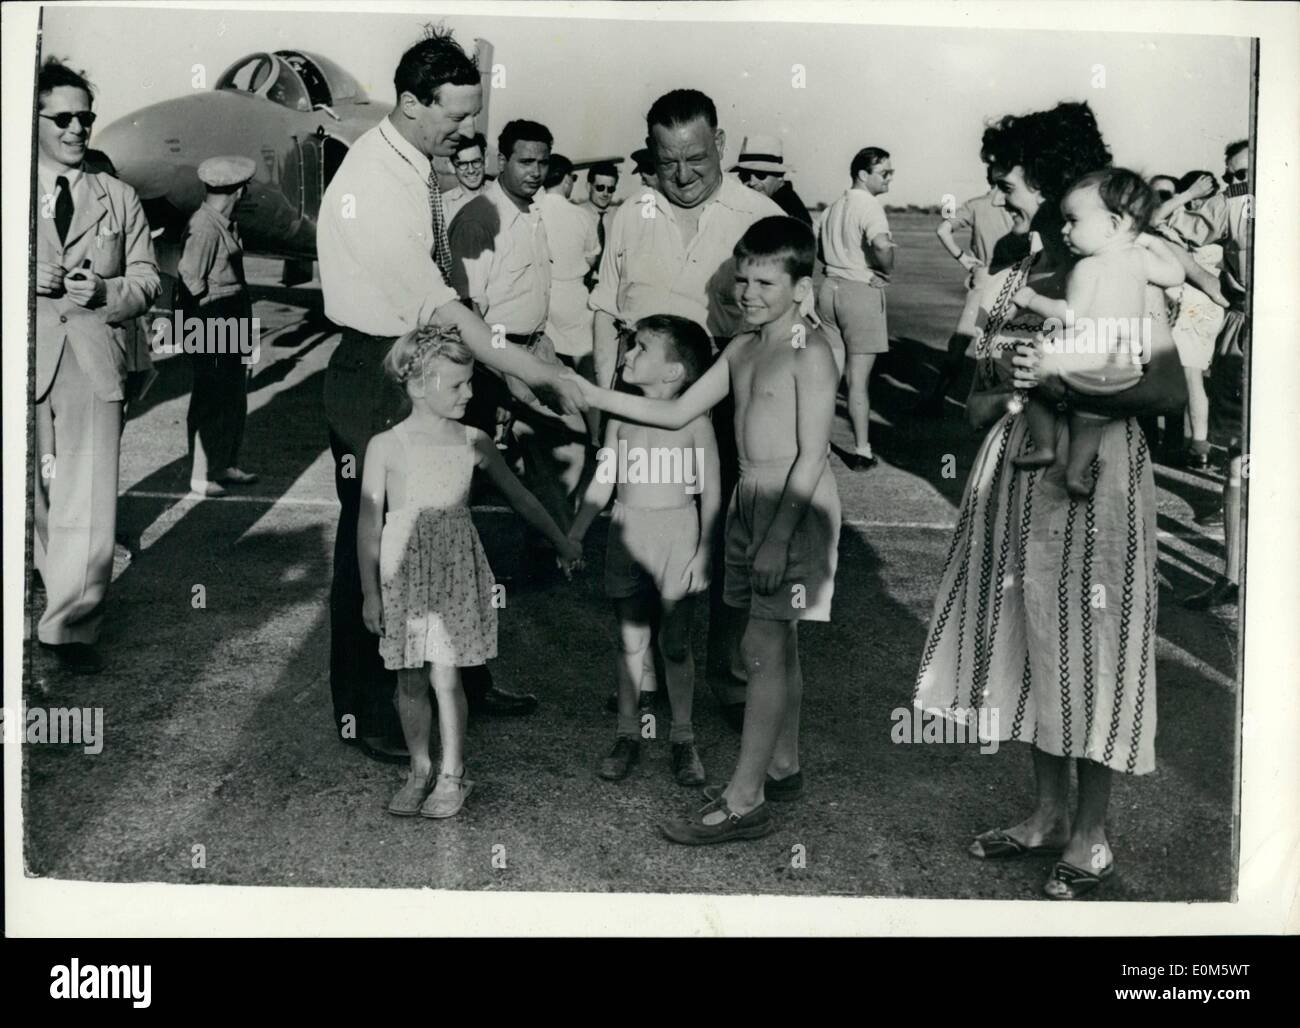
(1053,147)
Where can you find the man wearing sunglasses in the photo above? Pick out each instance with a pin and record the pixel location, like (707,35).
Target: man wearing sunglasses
(470,167)
(762,167)
(602,183)
(95,273)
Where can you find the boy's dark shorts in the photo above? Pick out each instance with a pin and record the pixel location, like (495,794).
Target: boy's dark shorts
(806,591)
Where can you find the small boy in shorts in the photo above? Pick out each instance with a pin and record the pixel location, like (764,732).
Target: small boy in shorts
(783,523)
(658,546)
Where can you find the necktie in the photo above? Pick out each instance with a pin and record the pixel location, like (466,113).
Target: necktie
(441,244)
(600,230)
(62,208)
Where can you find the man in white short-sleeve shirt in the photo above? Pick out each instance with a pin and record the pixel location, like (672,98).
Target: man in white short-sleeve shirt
(858,251)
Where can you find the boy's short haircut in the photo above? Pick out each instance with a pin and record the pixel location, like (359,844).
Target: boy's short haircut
(782,238)
(607,168)
(688,343)
(1122,192)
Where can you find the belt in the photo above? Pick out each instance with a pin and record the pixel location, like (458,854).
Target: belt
(523,338)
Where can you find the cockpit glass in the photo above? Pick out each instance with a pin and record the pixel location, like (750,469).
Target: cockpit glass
(287,90)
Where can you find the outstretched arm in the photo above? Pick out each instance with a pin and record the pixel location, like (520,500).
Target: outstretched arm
(711,388)
(598,491)
(512,360)
(529,507)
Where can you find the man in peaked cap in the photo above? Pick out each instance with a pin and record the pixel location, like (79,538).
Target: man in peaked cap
(211,286)
(762,167)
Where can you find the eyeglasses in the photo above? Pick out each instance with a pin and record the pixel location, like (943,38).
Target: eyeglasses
(467,165)
(1232,176)
(745,174)
(602,189)
(64,118)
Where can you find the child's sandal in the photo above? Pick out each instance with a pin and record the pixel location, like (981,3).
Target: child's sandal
(448,796)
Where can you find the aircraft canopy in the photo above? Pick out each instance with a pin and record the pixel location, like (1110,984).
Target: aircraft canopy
(292,79)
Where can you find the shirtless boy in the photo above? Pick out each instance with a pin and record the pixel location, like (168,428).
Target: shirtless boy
(784,518)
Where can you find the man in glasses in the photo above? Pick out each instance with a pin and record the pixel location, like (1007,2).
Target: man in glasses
(602,183)
(470,167)
(858,251)
(95,273)
(762,167)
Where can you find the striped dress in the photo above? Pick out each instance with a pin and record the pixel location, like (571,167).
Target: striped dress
(1046,612)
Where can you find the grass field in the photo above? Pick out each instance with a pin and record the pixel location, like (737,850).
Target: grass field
(218,721)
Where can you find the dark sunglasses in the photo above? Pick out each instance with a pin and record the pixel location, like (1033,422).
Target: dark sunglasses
(1164,194)
(64,118)
(745,174)
(602,189)
(1233,176)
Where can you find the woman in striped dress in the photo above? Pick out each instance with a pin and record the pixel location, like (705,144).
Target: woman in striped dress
(1046,612)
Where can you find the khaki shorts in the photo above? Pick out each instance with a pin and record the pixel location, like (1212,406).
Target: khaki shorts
(806,589)
(855,313)
(648,550)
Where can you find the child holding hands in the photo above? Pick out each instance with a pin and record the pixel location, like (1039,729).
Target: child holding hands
(428,589)
(658,546)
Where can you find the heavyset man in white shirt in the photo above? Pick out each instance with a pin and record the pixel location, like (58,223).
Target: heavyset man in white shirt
(668,250)
(383,254)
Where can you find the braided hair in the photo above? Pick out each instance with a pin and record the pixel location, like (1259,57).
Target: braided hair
(412,354)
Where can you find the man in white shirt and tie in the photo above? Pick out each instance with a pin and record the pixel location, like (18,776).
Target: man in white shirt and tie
(384,266)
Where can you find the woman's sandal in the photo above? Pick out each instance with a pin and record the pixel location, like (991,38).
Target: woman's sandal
(1067,882)
(446,802)
(996,844)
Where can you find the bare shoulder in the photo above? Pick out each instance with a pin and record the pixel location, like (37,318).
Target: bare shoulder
(380,447)
(815,360)
(739,347)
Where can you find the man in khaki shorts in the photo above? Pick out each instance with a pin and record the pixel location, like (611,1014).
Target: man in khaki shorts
(858,252)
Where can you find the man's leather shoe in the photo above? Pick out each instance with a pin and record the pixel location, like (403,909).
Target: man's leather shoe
(500,703)
(618,765)
(76,658)
(1220,594)
(687,766)
(376,747)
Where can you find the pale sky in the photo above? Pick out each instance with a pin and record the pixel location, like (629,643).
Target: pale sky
(1165,103)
